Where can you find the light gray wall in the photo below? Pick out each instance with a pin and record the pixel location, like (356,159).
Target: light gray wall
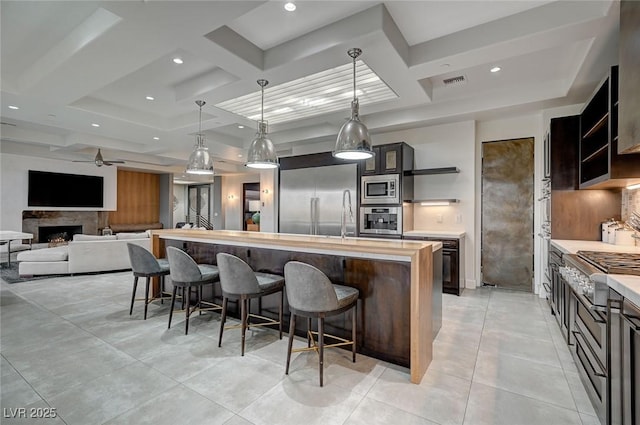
(14,184)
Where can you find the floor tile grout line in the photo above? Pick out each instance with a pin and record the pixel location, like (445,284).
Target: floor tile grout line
(466,407)
(43,399)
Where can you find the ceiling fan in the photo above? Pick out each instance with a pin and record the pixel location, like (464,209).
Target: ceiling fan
(99,161)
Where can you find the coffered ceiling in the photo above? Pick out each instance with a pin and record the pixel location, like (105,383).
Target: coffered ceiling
(70,64)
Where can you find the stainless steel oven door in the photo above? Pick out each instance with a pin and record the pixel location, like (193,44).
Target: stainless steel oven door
(380,189)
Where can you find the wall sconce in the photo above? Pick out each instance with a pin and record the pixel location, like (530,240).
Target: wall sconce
(230,197)
(265,191)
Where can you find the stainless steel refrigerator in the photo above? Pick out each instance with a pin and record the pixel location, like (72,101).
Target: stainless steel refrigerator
(311,199)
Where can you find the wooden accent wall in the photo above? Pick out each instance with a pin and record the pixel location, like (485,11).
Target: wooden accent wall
(577,214)
(138,198)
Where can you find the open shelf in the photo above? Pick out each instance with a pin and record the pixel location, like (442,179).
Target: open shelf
(602,121)
(432,171)
(602,149)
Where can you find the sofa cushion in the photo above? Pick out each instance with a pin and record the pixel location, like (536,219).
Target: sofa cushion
(80,237)
(141,235)
(59,253)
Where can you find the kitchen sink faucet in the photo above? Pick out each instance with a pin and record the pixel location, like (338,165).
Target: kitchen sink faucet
(343,221)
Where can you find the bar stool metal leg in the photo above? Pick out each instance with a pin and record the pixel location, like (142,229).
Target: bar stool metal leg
(133,295)
(353,331)
(321,345)
(173,302)
(223,319)
(292,329)
(146,296)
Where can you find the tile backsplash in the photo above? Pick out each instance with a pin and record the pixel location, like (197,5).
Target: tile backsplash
(630,202)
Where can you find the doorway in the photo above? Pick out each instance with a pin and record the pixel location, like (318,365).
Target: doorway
(507,214)
(199,206)
(251,206)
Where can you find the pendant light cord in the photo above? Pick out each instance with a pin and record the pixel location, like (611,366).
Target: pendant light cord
(262,104)
(354,78)
(200,121)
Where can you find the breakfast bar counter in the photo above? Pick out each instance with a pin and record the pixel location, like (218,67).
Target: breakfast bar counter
(400,305)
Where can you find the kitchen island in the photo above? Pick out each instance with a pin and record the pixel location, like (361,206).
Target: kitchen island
(400,305)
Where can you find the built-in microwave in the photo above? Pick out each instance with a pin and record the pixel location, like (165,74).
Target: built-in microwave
(380,189)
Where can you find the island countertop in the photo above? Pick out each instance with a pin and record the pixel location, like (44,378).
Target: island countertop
(381,249)
(401,311)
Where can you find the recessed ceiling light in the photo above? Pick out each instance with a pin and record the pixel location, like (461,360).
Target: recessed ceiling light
(13,107)
(95,125)
(150,98)
(241,126)
(495,69)
(156,138)
(289,6)
(445,65)
(178,61)
(239,155)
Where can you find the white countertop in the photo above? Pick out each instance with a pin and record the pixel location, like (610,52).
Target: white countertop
(449,234)
(571,246)
(626,285)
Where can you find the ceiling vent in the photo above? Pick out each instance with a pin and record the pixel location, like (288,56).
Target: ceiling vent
(454,81)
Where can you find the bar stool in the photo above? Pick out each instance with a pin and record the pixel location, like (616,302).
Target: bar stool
(240,282)
(186,274)
(311,294)
(145,264)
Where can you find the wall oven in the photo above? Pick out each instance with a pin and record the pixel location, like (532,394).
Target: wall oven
(380,189)
(381,221)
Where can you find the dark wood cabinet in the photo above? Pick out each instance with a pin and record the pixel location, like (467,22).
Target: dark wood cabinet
(452,283)
(564,133)
(630,354)
(600,166)
(393,158)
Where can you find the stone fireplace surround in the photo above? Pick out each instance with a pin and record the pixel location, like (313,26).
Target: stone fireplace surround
(92,222)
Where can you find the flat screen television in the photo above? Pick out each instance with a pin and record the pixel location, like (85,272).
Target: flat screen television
(46,189)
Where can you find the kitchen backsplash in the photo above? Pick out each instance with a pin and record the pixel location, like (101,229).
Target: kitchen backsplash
(630,202)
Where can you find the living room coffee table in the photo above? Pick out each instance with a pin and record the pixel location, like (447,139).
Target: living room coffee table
(6,236)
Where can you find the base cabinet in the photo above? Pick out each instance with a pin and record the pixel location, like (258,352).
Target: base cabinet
(452,257)
(630,353)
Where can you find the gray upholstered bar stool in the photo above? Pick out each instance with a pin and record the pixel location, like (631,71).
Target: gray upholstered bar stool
(186,274)
(240,282)
(145,264)
(312,295)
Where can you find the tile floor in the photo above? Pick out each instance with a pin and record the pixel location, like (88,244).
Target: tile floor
(70,344)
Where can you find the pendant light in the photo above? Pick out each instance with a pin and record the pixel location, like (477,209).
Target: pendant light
(353,140)
(262,153)
(200,161)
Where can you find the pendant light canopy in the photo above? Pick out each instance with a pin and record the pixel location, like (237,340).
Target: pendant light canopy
(200,161)
(262,153)
(353,140)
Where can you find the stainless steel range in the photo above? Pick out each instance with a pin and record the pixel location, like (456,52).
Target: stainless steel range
(595,324)
(613,262)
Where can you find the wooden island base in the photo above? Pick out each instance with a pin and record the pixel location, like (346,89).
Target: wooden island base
(395,280)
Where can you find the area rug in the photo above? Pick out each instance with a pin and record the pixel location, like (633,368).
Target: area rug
(10,274)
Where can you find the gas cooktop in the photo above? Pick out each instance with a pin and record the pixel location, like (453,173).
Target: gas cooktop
(613,262)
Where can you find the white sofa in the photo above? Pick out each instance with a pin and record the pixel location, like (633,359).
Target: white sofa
(85,254)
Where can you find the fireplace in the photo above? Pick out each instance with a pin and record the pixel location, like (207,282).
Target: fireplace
(57,233)
(72,222)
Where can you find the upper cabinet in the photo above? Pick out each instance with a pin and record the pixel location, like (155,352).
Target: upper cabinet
(564,133)
(600,166)
(393,158)
(629,124)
